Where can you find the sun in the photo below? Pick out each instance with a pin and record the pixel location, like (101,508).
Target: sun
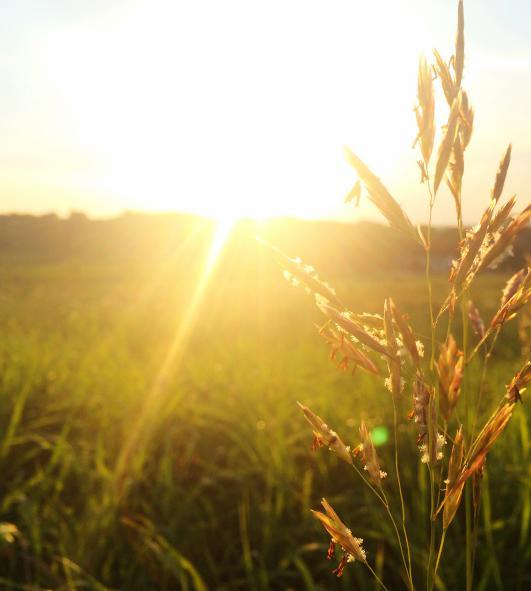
(222,122)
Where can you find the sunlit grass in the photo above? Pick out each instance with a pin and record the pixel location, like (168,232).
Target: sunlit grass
(223,465)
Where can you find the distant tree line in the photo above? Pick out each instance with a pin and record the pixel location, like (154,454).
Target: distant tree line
(334,248)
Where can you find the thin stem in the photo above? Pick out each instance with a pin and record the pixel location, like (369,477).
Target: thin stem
(376,576)
(428,277)
(402,505)
(468,492)
(432,363)
(477,348)
(408,573)
(361,475)
(446,436)
(468,539)
(439,554)
(482,382)
(385,503)
(429,579)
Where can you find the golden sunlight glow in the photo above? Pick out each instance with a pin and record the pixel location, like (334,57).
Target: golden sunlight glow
(184,327)
(245,129)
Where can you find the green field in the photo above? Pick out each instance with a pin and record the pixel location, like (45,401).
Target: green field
(144,446)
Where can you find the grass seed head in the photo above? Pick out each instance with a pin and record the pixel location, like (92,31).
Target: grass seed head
(370,457)
(513,305)
(452,496)
(393,363)
(513,285)
(504,239)
(478,326)
(518,384)
(297,273)
(425,112)
(459,59)
(342,347)
(408,338)
(450,371)
(465,268)
(381,198)
(346,322)
(354,194)
(467,120)
(448,84)
(502,215)
(421,399)
(501,175)
(485,440)
(340,535)
(447,142)
(456,167)
(325,436)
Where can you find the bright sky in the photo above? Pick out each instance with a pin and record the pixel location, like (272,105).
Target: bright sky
(244,106)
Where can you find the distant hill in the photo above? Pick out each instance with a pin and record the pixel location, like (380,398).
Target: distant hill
(333,248)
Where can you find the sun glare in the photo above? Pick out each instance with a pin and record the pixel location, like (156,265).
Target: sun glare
(171,361)
(171,125)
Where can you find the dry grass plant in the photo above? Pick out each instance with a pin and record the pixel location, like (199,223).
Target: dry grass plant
(442,400)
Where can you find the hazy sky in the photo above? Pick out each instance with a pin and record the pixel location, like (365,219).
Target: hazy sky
(244,106)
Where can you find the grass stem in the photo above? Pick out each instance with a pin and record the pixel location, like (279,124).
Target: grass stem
(376,576)
(439,554)
(402,504)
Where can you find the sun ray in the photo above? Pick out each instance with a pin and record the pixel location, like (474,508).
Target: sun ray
(174,354)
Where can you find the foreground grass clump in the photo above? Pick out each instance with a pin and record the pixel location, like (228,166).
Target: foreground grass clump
(221,485)
(445,391)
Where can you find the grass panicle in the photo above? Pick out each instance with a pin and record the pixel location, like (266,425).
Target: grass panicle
(438,389)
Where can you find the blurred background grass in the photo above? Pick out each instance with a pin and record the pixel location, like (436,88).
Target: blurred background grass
(215,488)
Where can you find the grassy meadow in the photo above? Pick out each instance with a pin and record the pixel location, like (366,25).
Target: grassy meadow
(149,433)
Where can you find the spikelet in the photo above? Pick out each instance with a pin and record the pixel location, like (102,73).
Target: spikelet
(393,363)
(449,87)
(371,462)
(479,450)
(354,194)
(483,245)
(342,347)
(467,120)
(429,441)
(408,338)
(340,535)
(524,332)
(514,284)
(501,175)
(504,239)
(447,143)
(459,60)
(381,197)
(485,440)
(502,215)
(325,436)
(518,384)
(450,371)
(425,112)
(456,167)
(517,301)
(436,440)
(421,399)
(452,495)
(297,273)
(346,323)
(464,269)
(477,477)
(370,321)
(478,326)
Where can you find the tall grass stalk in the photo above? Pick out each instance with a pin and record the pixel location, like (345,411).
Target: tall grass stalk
(441,385)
